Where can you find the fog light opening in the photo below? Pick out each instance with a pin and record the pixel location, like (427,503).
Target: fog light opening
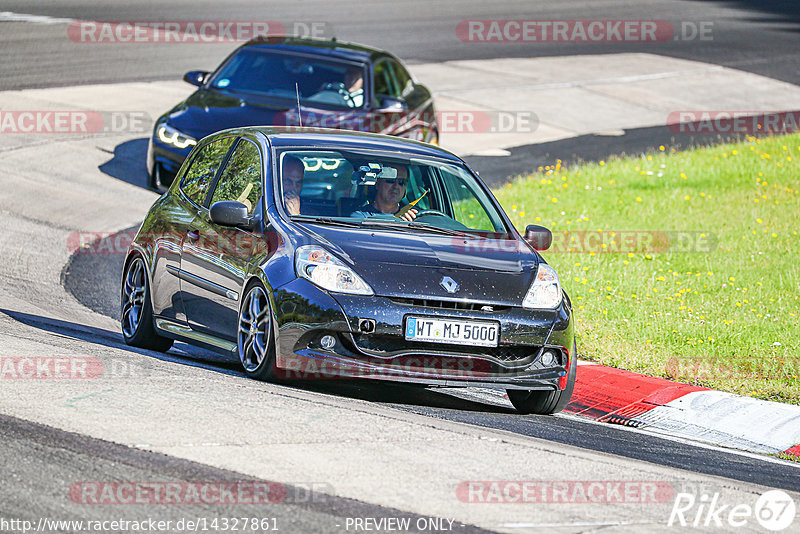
(548,358)
(327,342)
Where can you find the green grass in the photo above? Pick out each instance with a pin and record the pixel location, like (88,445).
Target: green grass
(789,457)
(699,278)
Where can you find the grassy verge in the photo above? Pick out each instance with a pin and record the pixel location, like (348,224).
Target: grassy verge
(789,457)
(683,265)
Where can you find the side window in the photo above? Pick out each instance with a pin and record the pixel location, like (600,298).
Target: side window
(467,209)
(241,178)
(417,186)
(382,77)
(404,84)
(204,166)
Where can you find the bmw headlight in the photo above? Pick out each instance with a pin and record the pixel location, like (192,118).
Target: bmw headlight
(328,272)
(545,292)
(170,136)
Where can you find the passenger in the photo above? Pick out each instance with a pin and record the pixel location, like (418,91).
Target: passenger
(292,176)
(389,193)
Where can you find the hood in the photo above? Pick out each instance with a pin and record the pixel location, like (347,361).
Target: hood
(206,112)
(413,264)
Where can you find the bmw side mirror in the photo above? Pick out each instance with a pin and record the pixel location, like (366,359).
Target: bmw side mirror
(195,77)
(230,213)
(389,104)
(540,237)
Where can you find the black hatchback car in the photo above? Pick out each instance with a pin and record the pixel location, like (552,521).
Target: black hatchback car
(289,81)
(400,266)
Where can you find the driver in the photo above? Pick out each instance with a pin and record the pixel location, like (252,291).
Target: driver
(354,82)
(389,192)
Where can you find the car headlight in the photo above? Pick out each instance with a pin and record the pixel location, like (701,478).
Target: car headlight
(328,272)
(170,136)
(545,292)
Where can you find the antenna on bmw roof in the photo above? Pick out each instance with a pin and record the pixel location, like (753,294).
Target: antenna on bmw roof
(299,115)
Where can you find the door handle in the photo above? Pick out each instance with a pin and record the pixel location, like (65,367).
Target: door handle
(193,234)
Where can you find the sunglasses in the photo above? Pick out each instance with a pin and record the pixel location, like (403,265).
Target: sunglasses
(392,181)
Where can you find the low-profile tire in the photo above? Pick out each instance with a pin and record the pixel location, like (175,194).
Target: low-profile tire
(255,339)
(546,402)
(137,310)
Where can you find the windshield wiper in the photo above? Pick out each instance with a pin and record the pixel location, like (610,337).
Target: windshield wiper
(414,225)
(325,220)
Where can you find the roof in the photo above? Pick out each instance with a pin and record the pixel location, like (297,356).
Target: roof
(326,47)
(288,136)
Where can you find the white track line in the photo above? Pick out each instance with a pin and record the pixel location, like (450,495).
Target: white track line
(10,16)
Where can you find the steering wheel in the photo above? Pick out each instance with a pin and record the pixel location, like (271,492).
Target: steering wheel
(431,212)
(338,88)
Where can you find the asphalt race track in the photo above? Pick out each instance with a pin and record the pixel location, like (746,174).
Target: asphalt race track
(751,35)
(334,451)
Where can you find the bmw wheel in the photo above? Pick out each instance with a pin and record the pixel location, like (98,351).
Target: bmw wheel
(154,177)
(137,311)
(255,339)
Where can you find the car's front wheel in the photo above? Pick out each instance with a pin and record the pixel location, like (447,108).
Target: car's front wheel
(546,402)
(137,311)
(255,339)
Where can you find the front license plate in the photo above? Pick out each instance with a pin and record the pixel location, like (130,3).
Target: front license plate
(455,331)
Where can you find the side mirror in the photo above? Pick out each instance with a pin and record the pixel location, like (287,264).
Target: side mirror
(195,77)
(390,104)
(540,237)
(230,213)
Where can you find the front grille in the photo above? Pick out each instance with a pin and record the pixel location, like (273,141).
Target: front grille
(449,305)
(387,346)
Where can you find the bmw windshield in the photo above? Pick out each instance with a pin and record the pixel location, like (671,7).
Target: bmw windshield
(323,83)
(366,188)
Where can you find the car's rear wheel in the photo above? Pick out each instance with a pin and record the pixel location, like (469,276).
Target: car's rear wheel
(255,339)
(546,402)
(137,311)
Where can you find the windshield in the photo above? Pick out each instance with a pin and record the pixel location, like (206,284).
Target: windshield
(320,82)
(369,189)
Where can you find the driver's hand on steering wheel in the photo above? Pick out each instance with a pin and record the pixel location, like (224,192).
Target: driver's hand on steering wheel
(409,216)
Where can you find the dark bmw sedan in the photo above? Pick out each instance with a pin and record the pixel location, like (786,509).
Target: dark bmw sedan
(290,81)
(400,266)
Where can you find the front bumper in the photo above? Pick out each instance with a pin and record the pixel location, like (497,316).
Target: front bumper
(376,349)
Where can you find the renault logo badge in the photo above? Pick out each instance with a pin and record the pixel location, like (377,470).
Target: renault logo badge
(449,284)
